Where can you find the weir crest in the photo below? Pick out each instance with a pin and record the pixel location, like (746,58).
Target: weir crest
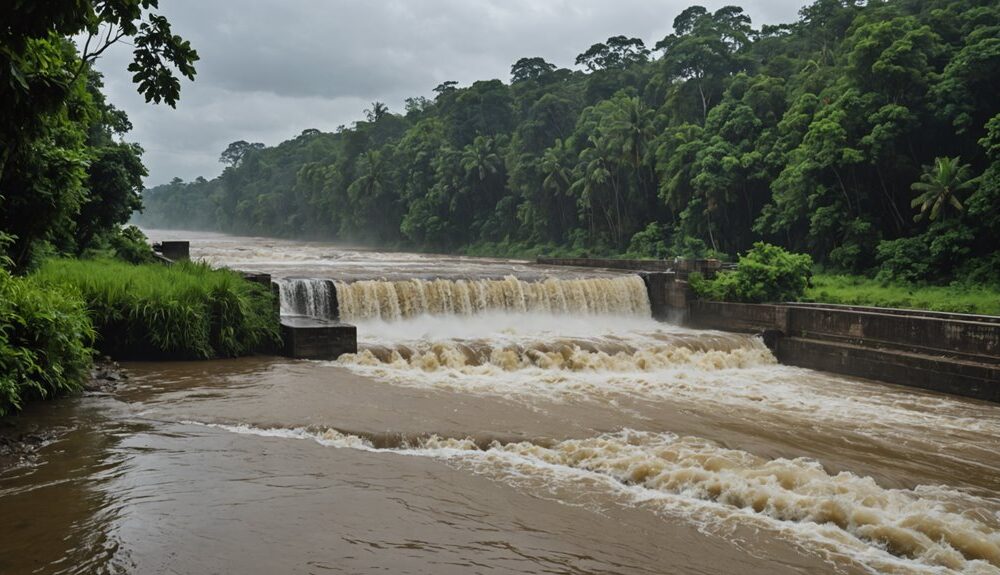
(396,300)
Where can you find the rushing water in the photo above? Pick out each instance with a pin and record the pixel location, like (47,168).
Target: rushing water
(501,419)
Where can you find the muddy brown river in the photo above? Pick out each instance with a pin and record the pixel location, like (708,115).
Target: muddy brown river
(499,417)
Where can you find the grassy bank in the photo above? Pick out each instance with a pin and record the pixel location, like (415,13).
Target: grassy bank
(185,311)
(859,290)
(45,337)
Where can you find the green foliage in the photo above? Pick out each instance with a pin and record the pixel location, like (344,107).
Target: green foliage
(45,333)
(928,257)
(766,273)
(181,311)
(807,135)
(859,290)
(131,245)
(939,187)
(65,181)
(649,243)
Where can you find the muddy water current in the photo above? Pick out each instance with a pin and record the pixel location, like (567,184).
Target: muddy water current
(499,418)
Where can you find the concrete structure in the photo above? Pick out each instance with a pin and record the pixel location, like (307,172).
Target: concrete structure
(174,251)
(951,353)
(314,338)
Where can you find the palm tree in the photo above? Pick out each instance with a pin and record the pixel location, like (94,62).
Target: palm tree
(631,128)
(480,157)
(939,187)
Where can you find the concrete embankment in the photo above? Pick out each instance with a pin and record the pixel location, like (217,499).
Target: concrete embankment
(951,353)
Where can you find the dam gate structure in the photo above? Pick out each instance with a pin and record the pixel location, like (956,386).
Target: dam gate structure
(950,353)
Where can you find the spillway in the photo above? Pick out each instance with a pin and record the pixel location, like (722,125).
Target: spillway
(395,300)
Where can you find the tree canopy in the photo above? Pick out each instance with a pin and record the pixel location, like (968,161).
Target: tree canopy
(67,177)
(813,135)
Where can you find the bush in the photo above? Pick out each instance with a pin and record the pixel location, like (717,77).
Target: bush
(766,273)
(45,336)
(929,257)
(131,245)
(184,311)
(649,243)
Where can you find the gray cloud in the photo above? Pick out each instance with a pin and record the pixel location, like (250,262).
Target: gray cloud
(270,69)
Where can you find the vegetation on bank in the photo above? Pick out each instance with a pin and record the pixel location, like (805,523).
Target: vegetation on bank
(184,311)
(866,135)
(859,290)
(765,273)
(68,179)
(45,336)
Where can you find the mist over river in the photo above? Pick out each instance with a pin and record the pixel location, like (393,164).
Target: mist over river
(499,417)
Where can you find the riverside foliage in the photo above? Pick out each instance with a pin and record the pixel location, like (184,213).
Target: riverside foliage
(45,335)
(185,311)
(829,135)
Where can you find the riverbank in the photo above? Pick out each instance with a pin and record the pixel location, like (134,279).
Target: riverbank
(54,321)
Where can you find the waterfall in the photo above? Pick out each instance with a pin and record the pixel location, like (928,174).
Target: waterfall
(394,300)
(310,297)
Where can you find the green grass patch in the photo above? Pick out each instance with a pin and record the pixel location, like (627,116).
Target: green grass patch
(184,311)
(859,290)
(45,336)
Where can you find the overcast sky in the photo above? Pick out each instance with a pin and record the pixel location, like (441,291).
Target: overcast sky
(270,69)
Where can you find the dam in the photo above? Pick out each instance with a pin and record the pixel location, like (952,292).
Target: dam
(509,417)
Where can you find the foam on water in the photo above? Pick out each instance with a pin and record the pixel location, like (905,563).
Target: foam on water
(928,529)
(603,357)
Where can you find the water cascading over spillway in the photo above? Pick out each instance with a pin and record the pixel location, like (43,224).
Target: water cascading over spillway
(395,300)
(308,297)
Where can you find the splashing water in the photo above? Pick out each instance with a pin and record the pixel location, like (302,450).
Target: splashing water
(920,530)
(310,297)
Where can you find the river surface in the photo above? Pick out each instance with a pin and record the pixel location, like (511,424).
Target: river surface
(499,418)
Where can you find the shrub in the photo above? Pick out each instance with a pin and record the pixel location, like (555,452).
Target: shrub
(131,245)
(45,336)
(649,243)
(928,257)
(184,311)
(764,273)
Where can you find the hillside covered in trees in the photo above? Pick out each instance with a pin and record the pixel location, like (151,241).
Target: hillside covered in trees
(865,134)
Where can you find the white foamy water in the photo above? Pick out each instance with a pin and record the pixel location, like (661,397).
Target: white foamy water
(928,529)
(603,357)
(309,297)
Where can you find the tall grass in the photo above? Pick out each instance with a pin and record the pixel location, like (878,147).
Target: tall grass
(858,290)
(45,336)
(185,311)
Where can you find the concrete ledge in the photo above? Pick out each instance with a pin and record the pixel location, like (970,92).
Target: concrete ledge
(174,251)
(969,379)
(745,317)
(314,338)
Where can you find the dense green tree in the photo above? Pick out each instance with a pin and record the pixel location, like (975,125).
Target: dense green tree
(63,178)
(807,134)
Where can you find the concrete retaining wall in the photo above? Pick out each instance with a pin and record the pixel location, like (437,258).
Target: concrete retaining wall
(950,353)
(935,373)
